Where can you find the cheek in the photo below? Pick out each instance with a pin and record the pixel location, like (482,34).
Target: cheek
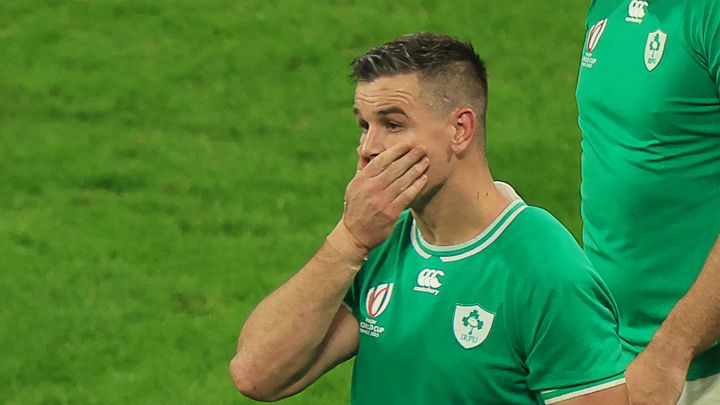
(411,137)
(440,156)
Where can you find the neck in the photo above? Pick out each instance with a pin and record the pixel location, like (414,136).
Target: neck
(462,208)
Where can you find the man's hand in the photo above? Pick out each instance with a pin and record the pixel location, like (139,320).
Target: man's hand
(656,378)
(378,194)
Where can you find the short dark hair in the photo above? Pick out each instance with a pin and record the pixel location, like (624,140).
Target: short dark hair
(453,66)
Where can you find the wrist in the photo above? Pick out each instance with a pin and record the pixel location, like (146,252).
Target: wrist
(342,241)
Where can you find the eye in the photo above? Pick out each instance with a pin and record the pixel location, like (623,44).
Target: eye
(364,126)
(394,126)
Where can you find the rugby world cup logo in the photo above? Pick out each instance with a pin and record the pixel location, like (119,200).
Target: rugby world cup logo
(594,34)
(593,37)
(378,298)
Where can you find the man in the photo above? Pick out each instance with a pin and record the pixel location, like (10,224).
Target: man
(471,296)
(650,116)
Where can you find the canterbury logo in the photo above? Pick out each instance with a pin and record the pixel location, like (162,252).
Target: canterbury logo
(428,281)
(636,11)
(429,278)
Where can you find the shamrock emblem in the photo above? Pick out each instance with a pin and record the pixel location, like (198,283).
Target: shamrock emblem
(473,321)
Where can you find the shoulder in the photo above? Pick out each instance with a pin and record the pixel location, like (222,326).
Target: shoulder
(599,10)
(702,18)
(541,250)
(538,229)
(547,265)
(703,9)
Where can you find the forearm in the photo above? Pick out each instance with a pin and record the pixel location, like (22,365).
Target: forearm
(282,336)
(694,323)
(290,338)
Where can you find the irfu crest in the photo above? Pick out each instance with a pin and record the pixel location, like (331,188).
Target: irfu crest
(654,49)
(471,325)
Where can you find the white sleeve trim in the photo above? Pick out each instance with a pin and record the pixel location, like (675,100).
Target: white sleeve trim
(585,391)
(346,306)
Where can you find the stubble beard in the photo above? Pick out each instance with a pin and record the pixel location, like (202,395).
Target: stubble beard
(425,197)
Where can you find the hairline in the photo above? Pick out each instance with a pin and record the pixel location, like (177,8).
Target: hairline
(435,101)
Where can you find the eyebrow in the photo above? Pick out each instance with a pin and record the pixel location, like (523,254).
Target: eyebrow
(387,111)
(391,110)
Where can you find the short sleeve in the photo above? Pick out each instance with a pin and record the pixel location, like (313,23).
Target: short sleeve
(704,25)
(569,334)
(352,296)
(373,263)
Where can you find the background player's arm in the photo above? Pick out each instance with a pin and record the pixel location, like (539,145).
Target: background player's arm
(301,330)
(694,323)
(691,327)
(658,374)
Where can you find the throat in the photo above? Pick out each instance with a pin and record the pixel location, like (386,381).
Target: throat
(461,219)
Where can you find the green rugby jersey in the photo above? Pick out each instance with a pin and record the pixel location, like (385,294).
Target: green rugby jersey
(515,316)
(649,110)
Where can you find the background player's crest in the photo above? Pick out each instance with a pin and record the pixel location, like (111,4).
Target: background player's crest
(377,299)
(654,49)
(471,325)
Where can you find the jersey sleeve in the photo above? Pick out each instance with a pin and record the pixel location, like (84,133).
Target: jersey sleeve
(352,297)
(704,26)
(568,331)
(372,263)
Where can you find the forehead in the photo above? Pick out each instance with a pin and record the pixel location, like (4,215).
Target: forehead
(399,90)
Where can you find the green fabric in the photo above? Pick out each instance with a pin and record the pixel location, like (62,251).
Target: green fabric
(554,324)
(651,158)
(560,395)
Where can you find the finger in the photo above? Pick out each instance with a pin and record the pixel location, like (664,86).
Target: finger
(399,167)
(409,177)
(406,197)
(383,160)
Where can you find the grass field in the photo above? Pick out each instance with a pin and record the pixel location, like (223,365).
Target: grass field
(166,164)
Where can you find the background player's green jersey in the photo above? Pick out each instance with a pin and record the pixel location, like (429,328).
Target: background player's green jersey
(650,116)
(515,316)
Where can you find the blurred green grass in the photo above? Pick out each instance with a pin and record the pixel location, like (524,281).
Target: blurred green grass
(167,164)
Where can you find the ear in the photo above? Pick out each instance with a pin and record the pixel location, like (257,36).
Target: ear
(464,122)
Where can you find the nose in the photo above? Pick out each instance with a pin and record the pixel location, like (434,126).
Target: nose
(370,146)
